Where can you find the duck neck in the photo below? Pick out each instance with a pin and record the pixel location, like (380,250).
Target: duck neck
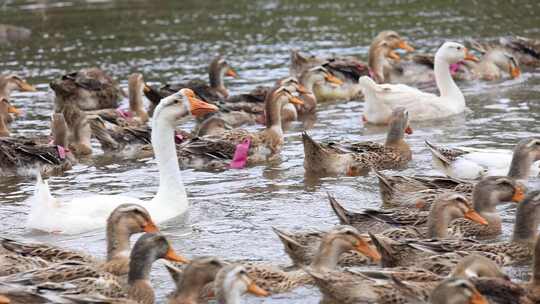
(438,220)
(171,187)
(525,228)
(136,101)
(117,242)
(376,61)
(4,131)
(520,166)
(230,296)
(139,268)
(536,266)
(445,82)
(216,80)
(273,115)
(327,256)
(308,81)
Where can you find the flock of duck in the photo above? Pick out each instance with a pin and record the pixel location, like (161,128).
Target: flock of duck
(430,242)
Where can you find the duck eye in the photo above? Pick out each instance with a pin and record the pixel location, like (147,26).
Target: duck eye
(242,272)
(458,48)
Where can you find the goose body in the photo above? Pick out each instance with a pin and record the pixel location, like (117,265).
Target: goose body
(381,99)
(85,213)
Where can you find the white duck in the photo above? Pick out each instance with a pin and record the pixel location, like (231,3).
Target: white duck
(468,163)
(382,99)
(89,212)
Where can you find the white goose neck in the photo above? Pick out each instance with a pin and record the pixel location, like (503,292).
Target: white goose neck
(445,82)
(171,187)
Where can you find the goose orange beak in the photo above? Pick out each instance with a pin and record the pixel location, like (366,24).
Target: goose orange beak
(363,247)
(198,107)
(171,255)
(515,72)
(253,288)
(4,300)
(231,73)
(477,298)
(405,46)
(469,56)
(519,195)
(394,55)
(150,227)
(333,79)
(475,217)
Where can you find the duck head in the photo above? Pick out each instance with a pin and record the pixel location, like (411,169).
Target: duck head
(12,82)
(232,281)
(456,291)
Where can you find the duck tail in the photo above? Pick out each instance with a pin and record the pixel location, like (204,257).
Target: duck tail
(314,153)
(438,156)
(384,249)
(342,213)
(42,191)
(285,238)
(386,188)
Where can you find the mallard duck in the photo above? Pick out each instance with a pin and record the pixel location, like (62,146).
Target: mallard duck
(473,163)
(250,147)
(125,221)
(526,50)
(215,90)
(381,50)
(519,249)
(359,158)
(487,194)
(86,279)
(12,82)
(231,282)
(477,266)
(317,77)
(23,156)
(135,115)
(84,213)
(89,89)
(192,280)
(456,291)
(5,110)
(433,224)
(382,99)
(302,62)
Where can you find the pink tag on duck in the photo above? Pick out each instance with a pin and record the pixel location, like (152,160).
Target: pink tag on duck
(241,154)
(62,152)
(178,138)
(454,68)
(126,114)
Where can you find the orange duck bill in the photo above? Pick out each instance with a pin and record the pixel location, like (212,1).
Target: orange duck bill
(475,217)
(171,255)
(405,46)
(469,56)
(364,248)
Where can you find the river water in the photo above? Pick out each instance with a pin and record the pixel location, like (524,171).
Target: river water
(169,41)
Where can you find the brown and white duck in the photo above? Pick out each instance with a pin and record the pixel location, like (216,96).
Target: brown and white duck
(360,158)
(23,156)
(89,89)
(212,91)
(250,147)
(12,82)
(6,109)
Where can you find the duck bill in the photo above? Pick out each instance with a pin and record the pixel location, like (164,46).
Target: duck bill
(231,73)
(515,72)
(477,298)
(171,255)
(365,249)
(301,89)
(394,55)
(150,227)
(13,110)
(4,300)
(200,108)
(475,217)
(146,88)
(409,130)
(26,87)
(519,195)
(405,46)
(253,288)
(296,100)
(333,79)
(470,57)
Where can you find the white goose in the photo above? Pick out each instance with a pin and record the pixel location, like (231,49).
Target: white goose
(382,99)
(90,212)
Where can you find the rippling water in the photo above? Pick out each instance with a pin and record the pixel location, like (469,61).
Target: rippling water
(170,41)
